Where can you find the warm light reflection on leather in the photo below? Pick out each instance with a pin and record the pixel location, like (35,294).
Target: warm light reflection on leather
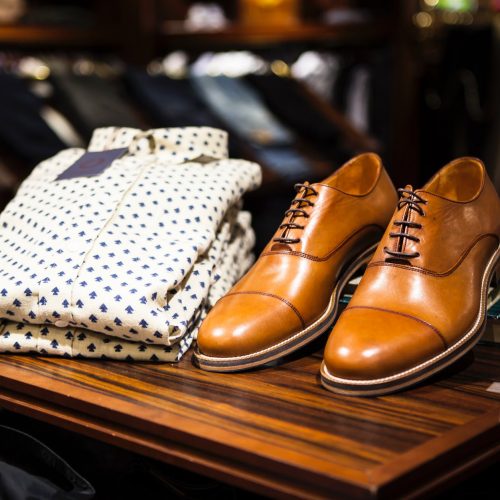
(345,352)
(371,352)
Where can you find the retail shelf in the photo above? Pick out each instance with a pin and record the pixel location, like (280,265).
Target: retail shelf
(45,36)
(174,35)
(274,431)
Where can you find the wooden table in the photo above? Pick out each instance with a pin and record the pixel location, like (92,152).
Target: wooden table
(274,431)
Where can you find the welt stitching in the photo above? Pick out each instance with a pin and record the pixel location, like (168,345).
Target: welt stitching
(328,255)
(289,304)
(433,273)
(433,328)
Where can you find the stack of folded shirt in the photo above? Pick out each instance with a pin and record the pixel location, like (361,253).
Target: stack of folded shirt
(122,258)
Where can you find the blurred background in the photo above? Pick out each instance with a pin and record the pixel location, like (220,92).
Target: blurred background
(300,85)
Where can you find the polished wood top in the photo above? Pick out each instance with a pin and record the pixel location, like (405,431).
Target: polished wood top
(274,430)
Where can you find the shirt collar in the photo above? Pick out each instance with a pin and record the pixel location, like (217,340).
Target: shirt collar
(178,145)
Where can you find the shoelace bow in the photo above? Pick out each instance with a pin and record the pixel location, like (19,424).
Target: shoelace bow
(296,210)
(412,201)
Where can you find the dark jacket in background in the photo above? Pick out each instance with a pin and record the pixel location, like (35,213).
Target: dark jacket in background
(90,102)
(170,102)
(30,470)
(23,132)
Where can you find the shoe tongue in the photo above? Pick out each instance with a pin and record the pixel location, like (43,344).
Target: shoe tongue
(403,195)
(281,247)
(285,247)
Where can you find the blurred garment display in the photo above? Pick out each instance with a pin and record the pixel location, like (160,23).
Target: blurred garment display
(231,99)
(457,94)
(305,116)
(206,17)
(61,126)
(137,250)
(343,84)
(169,101)
(172,102)
(241,107)
(340,16)
(31,68)
(290,141)
(278,122)
(358,99)
(91,102)
(23,131)
(319,71)
(233,63)
(361,92)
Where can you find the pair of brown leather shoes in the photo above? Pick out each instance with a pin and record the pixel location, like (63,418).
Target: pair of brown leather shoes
(420,305)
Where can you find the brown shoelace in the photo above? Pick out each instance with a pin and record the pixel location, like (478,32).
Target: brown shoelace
(412,201)
(296,210)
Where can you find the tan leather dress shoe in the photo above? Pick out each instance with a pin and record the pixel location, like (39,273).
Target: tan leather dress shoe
(421,303)
(290,296)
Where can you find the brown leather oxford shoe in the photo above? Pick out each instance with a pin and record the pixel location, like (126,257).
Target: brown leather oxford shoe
(421,303)
(290,296)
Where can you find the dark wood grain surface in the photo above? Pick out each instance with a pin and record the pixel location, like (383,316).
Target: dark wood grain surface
(274,430)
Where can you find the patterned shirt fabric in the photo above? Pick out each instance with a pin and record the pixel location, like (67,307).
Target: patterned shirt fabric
(124,264)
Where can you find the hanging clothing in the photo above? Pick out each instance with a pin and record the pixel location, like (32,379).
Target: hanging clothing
(91,102)
(237,104)
(172,102)
(23,131)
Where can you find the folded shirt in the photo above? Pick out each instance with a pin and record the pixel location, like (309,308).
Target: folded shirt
(128,252)
(228,258)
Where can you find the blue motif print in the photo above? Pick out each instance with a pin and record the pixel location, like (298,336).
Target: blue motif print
(126,264)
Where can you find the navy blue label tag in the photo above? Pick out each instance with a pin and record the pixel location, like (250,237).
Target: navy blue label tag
(92,163)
